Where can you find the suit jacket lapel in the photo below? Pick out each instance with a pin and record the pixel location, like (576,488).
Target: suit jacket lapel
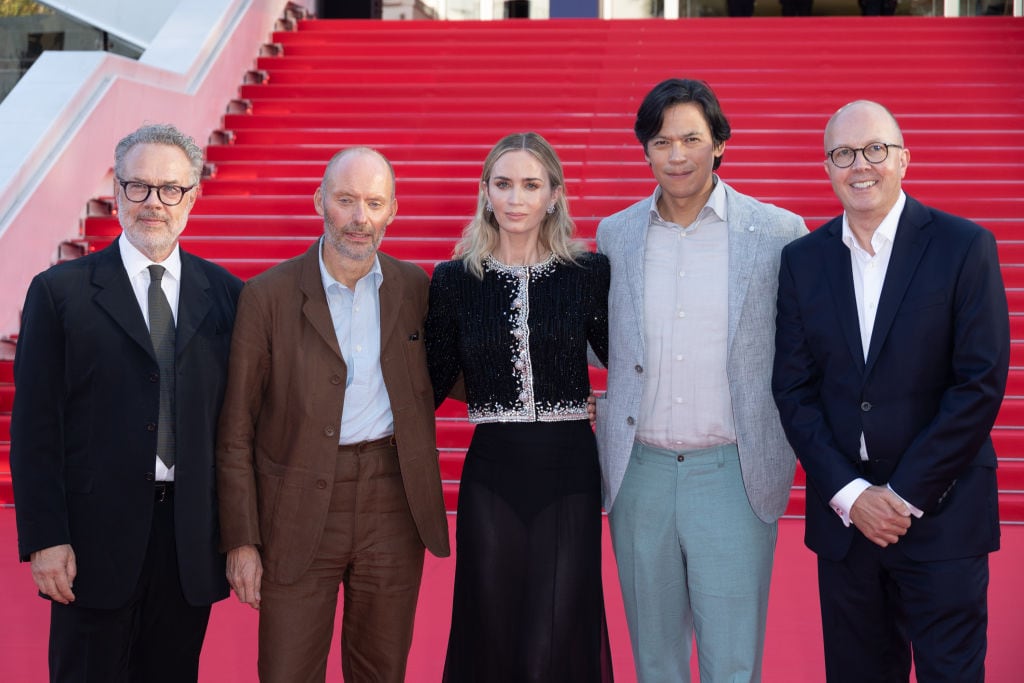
(839,272)
(744,244)
(391,294)
(907,249)
(314,308)
(194,301)
(115,296)
(634,247)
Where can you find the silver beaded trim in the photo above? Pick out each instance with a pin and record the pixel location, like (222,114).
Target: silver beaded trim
(525,409)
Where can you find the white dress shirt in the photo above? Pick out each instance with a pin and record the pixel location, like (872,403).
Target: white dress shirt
(686,403)
(868,277)
(137,264)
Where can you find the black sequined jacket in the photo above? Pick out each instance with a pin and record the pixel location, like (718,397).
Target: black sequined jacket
(519,336)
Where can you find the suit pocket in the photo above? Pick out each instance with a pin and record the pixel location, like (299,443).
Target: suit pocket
(268,493)
(414,351)
(921,301)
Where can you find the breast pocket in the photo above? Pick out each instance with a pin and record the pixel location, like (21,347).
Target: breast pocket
(414,353)
(922,301)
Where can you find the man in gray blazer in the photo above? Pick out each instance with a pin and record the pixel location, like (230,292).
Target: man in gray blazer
(695,465)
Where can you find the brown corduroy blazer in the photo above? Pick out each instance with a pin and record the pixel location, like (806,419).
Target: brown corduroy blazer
(278,433)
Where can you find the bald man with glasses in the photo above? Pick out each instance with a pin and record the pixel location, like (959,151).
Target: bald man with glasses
(120,372)
(891,357)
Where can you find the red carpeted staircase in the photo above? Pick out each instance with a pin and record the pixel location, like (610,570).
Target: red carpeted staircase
(434,97)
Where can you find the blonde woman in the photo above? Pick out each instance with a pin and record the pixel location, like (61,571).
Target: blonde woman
(514,313)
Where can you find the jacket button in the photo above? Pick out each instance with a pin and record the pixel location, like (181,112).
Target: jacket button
(154,377)
(150,476)
(150,427)
(335,379)
(329,431)
(865,406)
(321,484)
(680,457)
(630,421)
(638,368)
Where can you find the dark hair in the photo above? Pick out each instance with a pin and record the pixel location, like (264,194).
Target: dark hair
(651,114)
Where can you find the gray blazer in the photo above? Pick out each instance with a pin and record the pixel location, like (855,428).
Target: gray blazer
(757,233)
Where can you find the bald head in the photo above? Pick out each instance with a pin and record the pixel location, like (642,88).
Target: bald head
(862,115)
(351,152)
(868,174)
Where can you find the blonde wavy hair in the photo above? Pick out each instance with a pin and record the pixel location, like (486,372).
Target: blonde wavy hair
(480,237)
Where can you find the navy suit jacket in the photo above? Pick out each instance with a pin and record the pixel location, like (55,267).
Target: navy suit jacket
(927,395)
(83,437)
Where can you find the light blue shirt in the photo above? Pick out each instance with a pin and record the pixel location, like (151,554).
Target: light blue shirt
(366,414)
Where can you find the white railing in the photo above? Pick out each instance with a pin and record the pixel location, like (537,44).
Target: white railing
(619,9)
(59,125)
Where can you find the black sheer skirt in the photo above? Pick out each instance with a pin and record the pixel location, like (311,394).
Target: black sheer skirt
(528,604)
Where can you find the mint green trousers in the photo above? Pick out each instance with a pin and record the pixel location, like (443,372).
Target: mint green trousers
(694,562)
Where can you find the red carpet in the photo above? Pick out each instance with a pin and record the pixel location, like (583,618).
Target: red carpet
(793,651)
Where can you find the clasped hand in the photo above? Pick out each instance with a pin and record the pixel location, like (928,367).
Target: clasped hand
(880,515)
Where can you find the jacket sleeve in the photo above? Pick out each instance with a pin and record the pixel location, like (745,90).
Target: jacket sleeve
(248,373)
(796,385)
(442,330)
(979,367)
(37,425)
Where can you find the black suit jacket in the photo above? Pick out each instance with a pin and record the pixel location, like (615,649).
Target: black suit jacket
(83,437)
(926,397)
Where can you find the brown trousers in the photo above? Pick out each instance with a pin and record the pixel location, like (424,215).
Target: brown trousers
(371,545)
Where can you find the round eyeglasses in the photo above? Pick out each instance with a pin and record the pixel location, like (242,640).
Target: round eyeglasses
(169,195)
(875,153)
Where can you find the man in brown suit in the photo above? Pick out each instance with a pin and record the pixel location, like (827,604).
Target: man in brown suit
(326,459)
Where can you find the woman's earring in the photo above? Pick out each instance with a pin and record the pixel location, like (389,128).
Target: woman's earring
(490,207)
(551,209)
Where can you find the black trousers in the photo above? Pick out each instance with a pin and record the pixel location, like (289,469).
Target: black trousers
(155,638)
(878,605)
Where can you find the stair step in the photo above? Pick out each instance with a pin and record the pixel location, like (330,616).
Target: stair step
(310,226)
(616,187)
(564,130)
(409,146)
(586,170)
(443,64)
(307,225)
(280,248)
(821,207)
(1011,473)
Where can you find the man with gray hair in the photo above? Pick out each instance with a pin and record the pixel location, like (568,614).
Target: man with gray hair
(119,373)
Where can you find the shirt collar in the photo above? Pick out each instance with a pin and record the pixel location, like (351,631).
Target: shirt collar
(328,280)
(135,261)
(716,203)
(884,234)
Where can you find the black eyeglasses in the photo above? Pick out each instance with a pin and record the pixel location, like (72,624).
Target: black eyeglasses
(169,195)
(875,153)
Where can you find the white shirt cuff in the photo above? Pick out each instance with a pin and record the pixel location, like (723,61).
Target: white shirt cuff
(913,510)
(843,501)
